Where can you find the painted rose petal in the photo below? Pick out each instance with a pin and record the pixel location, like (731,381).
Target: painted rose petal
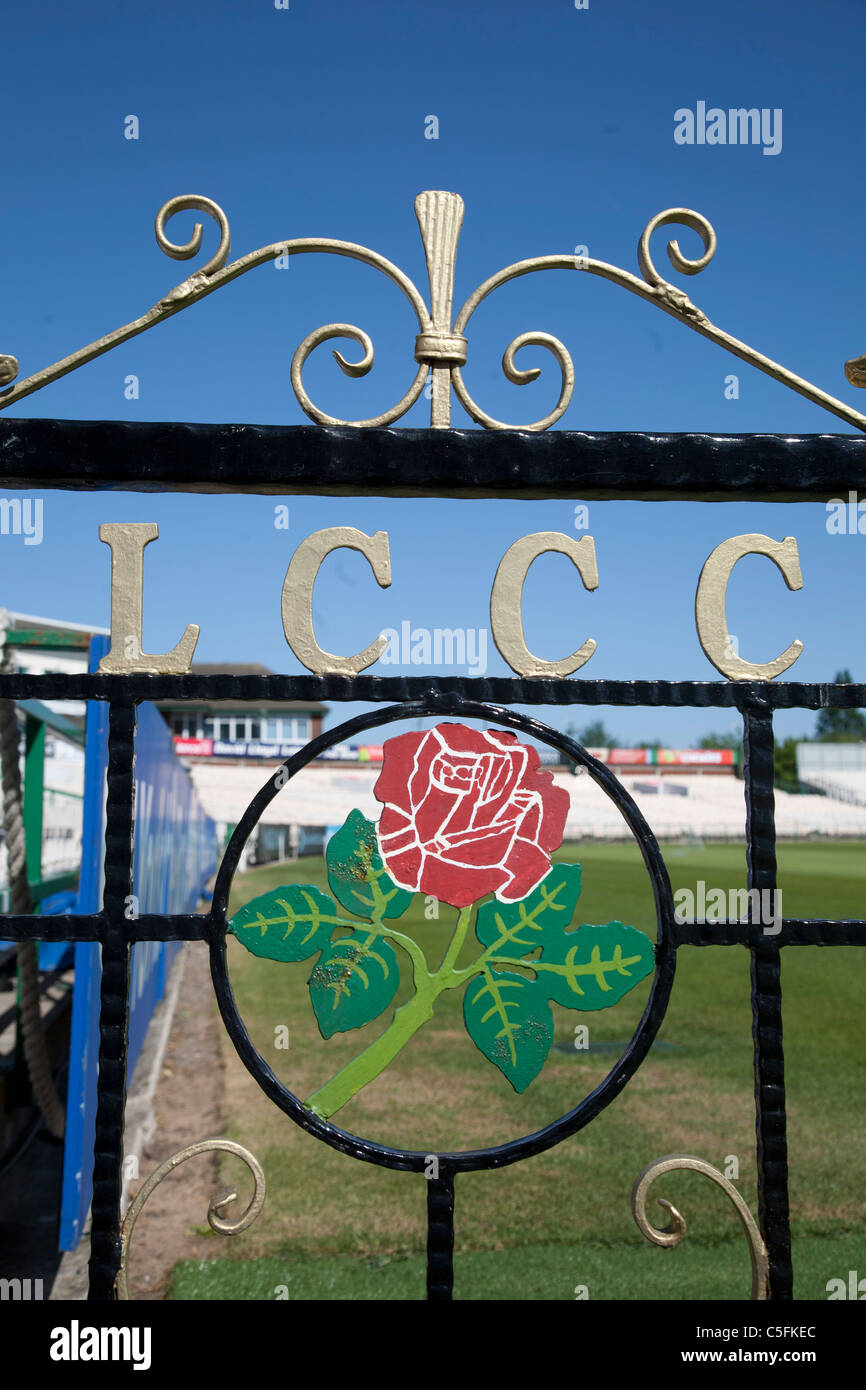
(405,868)
(481,851)
(555,802)
(499,792)
(527,865)
(446,882)
(467,812)
(391,786)
(433,815)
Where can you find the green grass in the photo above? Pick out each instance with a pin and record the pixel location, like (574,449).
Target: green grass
(537,1229)
(548,1272)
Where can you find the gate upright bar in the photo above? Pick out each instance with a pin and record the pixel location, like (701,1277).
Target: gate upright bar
(766,973)
(114,1005)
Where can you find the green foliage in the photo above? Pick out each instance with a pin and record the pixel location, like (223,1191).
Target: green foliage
(732,739)
(593,967)
(357,974)
(288,924)
(841,725)
(355,980)
(515,928)
(785,762)
(507,1015)
(593,735)
(510,1021)
(356,874)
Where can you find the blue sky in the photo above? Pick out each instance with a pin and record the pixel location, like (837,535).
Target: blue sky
(557,128)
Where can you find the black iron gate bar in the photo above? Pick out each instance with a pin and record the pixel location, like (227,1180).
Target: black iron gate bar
(239,458)
(94,455)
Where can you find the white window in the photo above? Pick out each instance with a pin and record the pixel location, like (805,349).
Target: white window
(287,728)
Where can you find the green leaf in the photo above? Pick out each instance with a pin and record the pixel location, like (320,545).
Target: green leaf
(287,924)
(593,967)
(356,874)
(522,926)
(354,980)
(509,1020)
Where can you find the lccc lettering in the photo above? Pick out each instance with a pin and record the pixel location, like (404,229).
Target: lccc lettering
(127,541)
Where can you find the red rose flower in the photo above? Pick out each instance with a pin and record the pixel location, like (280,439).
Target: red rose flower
(467,813)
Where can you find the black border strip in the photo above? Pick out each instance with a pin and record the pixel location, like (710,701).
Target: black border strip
(87,455)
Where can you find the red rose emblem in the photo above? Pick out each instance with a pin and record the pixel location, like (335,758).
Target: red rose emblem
(467,813)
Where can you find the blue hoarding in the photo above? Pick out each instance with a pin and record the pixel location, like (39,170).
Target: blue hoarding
(174,856)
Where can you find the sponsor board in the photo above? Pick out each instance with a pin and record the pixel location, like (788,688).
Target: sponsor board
(372,753)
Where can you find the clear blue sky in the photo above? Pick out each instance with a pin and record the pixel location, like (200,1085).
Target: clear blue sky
(557,128)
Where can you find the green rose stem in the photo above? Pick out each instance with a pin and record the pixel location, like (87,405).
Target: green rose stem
(407,1020)
(419,1009)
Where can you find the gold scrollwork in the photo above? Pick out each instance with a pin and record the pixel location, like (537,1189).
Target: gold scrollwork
(216,1220)
(440,346)
(667,293)
(514,374)
(672,1234)
(355,369)
(189,203)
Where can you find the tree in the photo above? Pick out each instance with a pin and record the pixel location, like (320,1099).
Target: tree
(729,740)
(594,735)
(785,763)
(841,725)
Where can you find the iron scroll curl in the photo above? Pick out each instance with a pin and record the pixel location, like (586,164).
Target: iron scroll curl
(653,287)
(223,1225)
(671,1235)
(585,1111)
(299,246)
(194,202)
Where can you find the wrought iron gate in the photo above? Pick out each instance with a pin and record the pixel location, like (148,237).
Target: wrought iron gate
(348,460)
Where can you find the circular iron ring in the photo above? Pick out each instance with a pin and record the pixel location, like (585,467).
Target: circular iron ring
(470,1160)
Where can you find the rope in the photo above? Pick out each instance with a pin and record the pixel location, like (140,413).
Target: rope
(33,1038)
